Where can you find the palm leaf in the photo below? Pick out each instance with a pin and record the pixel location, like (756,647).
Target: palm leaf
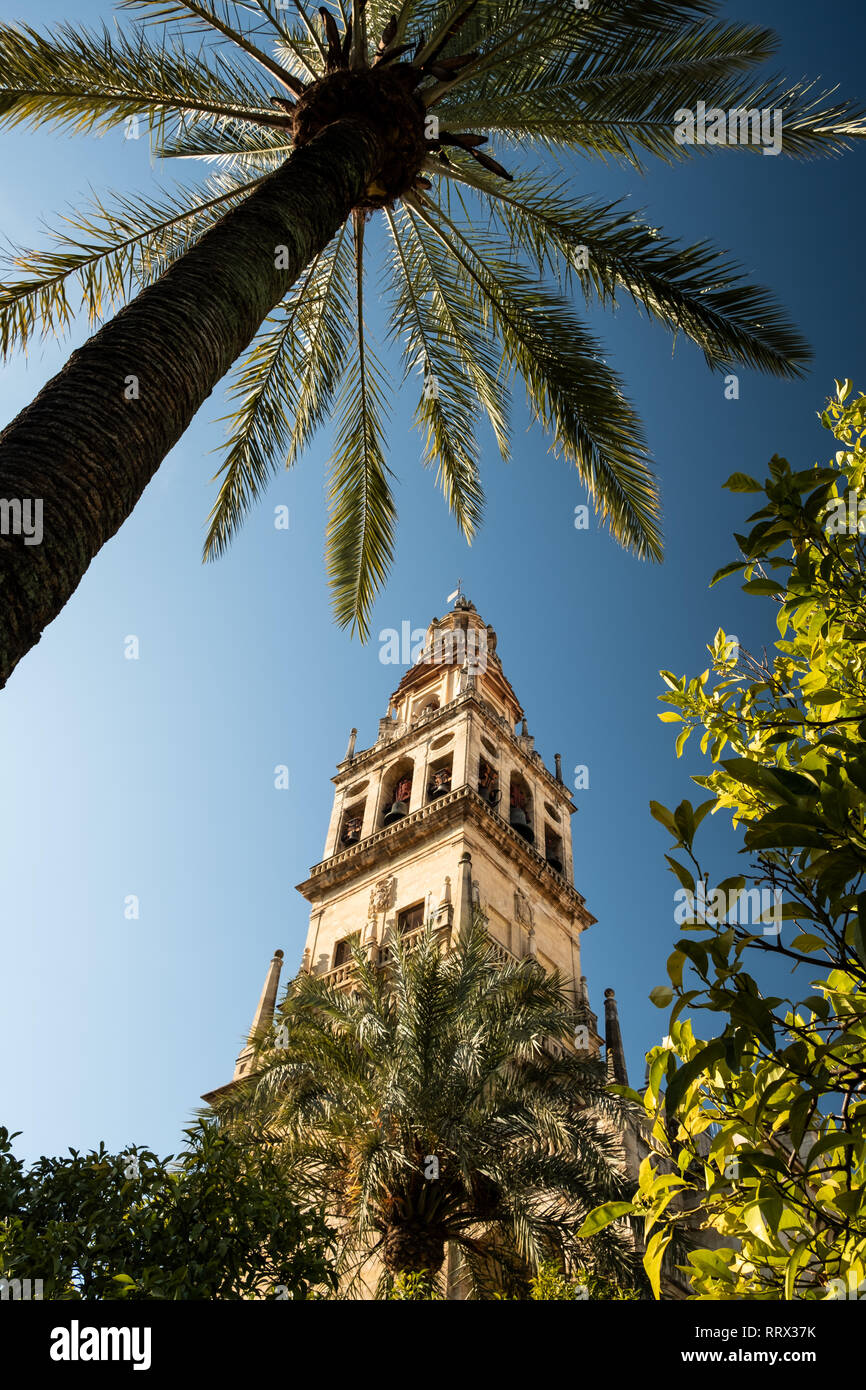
(448,404)
(452,306)
(327,329)
(360,544)
(534,36)
(690,289)
(570,388)
(470,305)
(229,143)
(220,16)
(617,100)
(93,81)
(117,247)
(284,386)
(260,427)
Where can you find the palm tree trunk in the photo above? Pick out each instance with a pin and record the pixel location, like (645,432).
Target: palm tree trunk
(414,1247)
(92,439)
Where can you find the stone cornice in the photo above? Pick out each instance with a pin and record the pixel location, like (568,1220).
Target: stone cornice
(369,755)
(559,789)
(356,765)
(458,806)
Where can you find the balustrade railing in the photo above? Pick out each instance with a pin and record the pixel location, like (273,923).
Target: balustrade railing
(340,977)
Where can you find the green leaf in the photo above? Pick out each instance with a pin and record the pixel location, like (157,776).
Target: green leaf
(806,942)
(682,873)
(754,1013)
(742,482)
(800,1115)
(703,810)
(702,1062)
(834,1140)
(652,1260)
(602,1216)
(761,1218)
(676,961)
(733,568)
(763,586)
(752,773)
(737,881)
(716,1263)
(665,818)
(817,1004)
(661,996)
(784,835)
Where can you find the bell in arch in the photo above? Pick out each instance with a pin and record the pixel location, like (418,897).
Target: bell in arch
(400,805)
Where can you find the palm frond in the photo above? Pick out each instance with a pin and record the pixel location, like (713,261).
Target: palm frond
(310,47)
(117,247)
(92,81)
(448,403)
(621,100)
(812,125)
(283,386)
(220,17)
(360,536)
(214,16)
(539,35)
(695,289)
(570,388)
(231,144)
(327,330)
(261,425)
(301,55)
(453,309)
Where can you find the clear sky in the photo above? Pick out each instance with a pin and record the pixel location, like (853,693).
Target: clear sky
(155,777)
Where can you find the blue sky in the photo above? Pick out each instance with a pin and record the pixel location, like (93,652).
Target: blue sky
(155,777)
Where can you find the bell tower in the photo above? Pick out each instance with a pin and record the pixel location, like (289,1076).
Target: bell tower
(451,806)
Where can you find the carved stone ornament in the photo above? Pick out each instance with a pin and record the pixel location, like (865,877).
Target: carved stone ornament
(522,908)
(466,678)
(382,893)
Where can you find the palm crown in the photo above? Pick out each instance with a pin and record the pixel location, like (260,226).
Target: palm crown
(424,1109)
(483,264)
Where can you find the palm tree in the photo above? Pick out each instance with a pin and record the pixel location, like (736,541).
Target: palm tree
(425,1108)
(315,124)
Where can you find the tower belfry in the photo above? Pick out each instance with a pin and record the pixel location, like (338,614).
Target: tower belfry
(450,807)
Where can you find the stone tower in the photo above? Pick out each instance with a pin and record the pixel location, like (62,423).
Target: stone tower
(450,807)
